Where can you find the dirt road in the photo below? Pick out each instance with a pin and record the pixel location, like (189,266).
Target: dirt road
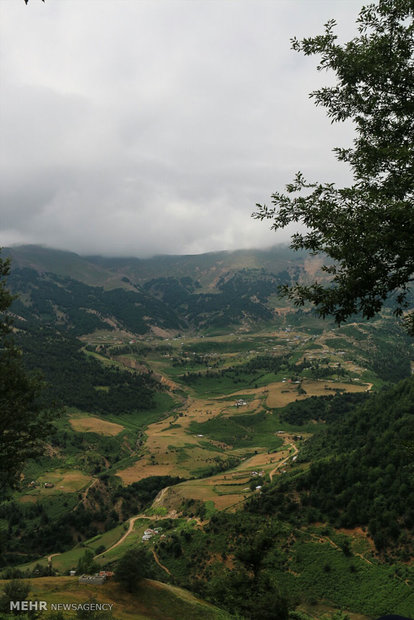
(285,460)
(127,533)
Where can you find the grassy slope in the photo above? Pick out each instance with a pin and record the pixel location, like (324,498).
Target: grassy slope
(153,599)
(108,272)
(66,264)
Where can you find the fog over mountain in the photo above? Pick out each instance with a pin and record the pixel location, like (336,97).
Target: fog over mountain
(137,128)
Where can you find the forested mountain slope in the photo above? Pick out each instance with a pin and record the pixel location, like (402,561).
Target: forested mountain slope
(360,474)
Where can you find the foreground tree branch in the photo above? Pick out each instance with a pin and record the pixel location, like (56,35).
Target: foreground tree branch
(367,229)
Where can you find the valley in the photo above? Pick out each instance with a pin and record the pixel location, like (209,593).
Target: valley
(206,407)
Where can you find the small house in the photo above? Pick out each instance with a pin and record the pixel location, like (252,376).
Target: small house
(106,573)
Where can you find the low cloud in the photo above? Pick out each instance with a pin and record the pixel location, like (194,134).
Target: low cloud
(143,128)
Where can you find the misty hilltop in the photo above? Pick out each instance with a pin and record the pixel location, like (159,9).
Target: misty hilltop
(163,292)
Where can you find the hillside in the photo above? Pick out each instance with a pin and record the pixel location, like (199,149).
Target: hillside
(159,295)
(115,272)
(154,600)
(262,440)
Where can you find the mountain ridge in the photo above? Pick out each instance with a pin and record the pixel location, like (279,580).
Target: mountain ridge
(123,272)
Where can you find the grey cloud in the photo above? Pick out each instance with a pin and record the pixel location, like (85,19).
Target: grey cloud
(147,127)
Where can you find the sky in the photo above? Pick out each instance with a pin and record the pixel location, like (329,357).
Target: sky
(142,127)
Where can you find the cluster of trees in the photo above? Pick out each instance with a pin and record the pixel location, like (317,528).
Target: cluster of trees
(359,473)
(196,359)
(388,351)
(138,495)
(249,589)
(132,568)
(366,229)
(81,309)
(101,389)
(25,419)
(326,408)
(247,373)
(241,295)
(37,531)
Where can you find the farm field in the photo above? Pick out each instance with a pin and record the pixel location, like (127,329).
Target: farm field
(92,424)
(62,481)
(206,434)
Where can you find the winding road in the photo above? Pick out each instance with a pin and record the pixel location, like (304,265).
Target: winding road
(285,460)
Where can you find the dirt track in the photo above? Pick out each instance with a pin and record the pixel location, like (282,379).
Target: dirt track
(285,460)
(164,568)
(131,528)
(127,533)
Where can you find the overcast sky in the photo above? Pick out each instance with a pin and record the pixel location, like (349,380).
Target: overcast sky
(139,127)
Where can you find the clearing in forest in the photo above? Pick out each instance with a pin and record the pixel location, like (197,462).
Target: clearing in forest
(60,482)
(90,424)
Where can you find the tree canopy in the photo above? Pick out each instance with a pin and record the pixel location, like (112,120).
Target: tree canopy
(25,421)
(132,568)
(366,230)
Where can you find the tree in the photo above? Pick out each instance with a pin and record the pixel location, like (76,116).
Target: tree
(367,229)
(15,590)
(25,421)
(86,563)
(132,568)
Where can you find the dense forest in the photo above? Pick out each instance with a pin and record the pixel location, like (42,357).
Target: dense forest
(100,388)
(169,303)
(82,309)
(360,473)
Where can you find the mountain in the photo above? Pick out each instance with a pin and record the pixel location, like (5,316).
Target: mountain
(161,293)
(62,263)
(116,272)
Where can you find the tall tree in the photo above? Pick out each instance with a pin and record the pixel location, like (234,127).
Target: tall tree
(24,419)
(132,568)
(367,229)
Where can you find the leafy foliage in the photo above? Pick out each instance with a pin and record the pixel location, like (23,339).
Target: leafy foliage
(132,568)
(360,473)
(14,590)
(64,364)
(86,563)
(326,408)
(25,420)
(367,229)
